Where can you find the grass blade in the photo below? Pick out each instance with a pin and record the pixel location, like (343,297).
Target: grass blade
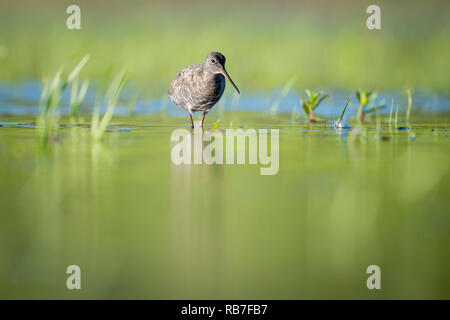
(78,68)
(408,111)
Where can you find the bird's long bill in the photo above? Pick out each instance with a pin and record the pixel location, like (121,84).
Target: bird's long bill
(224,72)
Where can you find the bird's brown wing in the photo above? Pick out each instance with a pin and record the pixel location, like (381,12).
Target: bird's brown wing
(179,90)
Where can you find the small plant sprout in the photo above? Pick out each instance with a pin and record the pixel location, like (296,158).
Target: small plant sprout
(408,111)
(390,112)
(314,100)
(52,89)
(74,74)
(98,126)
(396,116)
(284,92)
(47,119)
(364,98)
(341,123)
(76,98)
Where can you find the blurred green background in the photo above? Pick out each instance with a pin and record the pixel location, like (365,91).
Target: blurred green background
(323,43)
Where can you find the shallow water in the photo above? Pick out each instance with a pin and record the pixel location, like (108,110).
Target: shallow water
(142,227)
(22,98)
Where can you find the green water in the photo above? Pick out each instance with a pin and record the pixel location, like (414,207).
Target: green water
(141,227)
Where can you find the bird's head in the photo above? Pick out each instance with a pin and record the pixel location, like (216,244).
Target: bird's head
(215,62)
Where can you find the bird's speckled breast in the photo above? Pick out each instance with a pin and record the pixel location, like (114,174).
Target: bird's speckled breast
(213,88)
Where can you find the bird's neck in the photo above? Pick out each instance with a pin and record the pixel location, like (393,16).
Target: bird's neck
(210,75)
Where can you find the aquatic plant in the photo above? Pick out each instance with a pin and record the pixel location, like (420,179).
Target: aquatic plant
(76,98)
(340,123)
(284,92)
(48,103)
(396,116)
(314,100)
(52,89)
(408,110)
(364,98)
(98,126)
(390,112)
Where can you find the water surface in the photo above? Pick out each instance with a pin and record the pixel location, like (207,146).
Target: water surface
(142,227)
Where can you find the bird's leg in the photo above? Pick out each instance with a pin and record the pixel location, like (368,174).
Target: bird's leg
(192,121)
(203,119)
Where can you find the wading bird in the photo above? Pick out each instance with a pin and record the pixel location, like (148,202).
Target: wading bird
(200,86)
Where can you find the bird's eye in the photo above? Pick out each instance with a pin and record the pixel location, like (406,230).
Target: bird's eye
(213,61)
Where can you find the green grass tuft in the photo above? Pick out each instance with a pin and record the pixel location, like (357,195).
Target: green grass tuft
(314,100)
(111,97)
(52,89)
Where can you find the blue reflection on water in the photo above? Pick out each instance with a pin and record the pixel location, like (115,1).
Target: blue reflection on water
(23,99)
